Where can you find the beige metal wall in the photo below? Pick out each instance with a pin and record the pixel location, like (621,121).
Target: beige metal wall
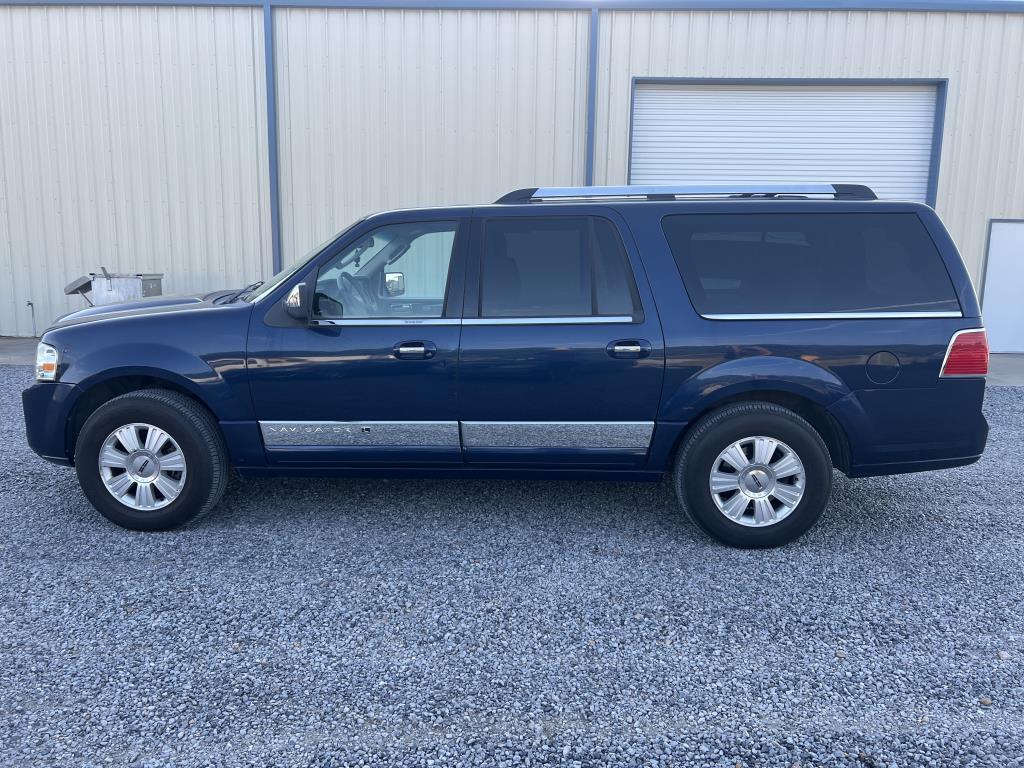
(381,109)
(981,54)
(133,138)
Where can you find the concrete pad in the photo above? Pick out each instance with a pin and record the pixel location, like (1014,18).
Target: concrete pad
(17,351)
(1006,370)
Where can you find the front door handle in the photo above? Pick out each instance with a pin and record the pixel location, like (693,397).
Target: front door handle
(414,350)
(629,348)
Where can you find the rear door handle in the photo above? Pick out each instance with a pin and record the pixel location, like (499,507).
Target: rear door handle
(414,350)
(629,348)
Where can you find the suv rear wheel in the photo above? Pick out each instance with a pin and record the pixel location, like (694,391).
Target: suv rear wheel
(151,460)
(754,475)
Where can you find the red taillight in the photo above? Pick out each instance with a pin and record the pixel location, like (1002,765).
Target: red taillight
(967,354)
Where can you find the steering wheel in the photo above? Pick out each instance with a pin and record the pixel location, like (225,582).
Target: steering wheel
(353,297)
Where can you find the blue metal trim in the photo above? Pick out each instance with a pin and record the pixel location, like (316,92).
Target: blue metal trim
(937,130)
(273,155)
(591,95)
(940,85)
(967,6)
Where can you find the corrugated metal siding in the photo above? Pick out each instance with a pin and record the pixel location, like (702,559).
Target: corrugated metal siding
(980,54)
(133,138)
(876,135)
(381,109)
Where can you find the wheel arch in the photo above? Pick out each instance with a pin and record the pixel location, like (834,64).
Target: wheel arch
(815,414)
(801,386)
(102,389)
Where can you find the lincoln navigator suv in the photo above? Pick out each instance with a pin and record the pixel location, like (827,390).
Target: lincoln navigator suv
(743,341)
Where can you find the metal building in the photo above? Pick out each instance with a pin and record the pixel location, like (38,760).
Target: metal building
(216,141)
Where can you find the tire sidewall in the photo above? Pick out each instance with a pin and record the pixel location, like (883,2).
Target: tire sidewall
(198,476)
(700,455)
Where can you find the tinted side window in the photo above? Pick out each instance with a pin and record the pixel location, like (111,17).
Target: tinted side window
(811,263)
(558,266)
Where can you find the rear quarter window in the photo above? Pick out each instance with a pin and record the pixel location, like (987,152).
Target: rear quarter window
(809,263)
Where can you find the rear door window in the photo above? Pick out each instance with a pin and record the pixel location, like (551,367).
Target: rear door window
(809,263)
(555,266)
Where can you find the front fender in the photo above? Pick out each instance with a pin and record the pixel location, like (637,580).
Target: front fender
(194,375)
(201,353)
(718,383)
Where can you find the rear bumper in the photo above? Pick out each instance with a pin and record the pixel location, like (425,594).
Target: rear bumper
(892,431)
(899,468)
(47,407)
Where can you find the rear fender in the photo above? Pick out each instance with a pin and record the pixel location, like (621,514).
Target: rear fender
(725,381)
(744,378)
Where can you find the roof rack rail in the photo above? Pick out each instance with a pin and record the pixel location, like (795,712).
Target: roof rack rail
(671,192)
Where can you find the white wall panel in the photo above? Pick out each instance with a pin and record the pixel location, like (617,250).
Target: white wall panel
(979,53)
(381,109)
(133,138)
(1003,286)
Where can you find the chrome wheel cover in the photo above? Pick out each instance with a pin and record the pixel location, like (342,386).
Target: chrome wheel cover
(757,481)
(142,466)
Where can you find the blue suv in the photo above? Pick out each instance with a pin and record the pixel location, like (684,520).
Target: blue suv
(743,340)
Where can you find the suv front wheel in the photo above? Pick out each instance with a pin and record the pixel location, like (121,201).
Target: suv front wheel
(151,460)
(754,475)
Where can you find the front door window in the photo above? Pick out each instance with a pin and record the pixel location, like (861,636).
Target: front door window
(398,270)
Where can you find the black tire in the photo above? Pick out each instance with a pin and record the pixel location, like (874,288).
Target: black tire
(716,431)
(190,426)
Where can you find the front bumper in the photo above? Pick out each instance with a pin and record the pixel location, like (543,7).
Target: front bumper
(47,407)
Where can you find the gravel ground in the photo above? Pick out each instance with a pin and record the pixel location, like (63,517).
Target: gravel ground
(512,623)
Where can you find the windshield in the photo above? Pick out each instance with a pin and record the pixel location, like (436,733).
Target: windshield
(271,285)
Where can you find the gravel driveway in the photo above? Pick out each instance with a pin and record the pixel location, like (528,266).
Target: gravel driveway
(512,623)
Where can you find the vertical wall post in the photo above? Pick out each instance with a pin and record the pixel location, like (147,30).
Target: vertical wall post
(272,150)
(591,96)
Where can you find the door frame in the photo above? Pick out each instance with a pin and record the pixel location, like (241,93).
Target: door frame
(983,275)
(630,441)
(367,440)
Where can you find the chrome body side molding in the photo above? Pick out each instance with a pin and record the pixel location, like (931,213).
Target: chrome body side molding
(557,434)
(633,435)
(277,434)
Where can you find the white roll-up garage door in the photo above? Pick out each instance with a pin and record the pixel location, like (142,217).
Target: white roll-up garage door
(879,135)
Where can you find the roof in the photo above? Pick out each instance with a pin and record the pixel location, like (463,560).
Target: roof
(991,6)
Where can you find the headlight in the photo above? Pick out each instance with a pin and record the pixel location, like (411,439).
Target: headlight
(46,362)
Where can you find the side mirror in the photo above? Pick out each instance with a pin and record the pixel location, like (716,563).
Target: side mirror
(296,303)
(394,283)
